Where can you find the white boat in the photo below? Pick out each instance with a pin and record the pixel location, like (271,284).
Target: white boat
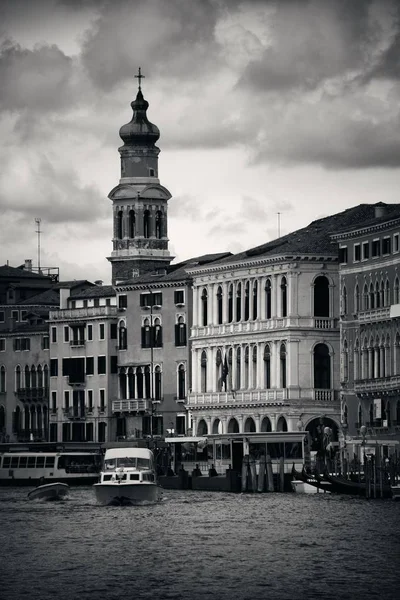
(49,491)
(128,477)
(301,487)
(396,492)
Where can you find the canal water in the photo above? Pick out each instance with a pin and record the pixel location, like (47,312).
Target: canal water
(199,545)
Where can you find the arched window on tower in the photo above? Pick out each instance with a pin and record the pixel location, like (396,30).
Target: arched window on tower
(247,301)
(204,307)
(321,297)
(120,225)
(267,366)
(238,302)
(159,224)
(322,367)
(230,304)
(268,299)
(284,297)
(132,224)
(146,224)
(219,305)
(255,299)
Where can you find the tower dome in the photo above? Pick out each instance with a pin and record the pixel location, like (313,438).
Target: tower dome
(139,131)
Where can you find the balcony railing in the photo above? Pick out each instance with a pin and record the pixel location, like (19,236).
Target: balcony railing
(277,396)
(74,412)
(141,405)
(377,385)
(83,313)
(36,393)
(374,314)
(77,342)
(325,323)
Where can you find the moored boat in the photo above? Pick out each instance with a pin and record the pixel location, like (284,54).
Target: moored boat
(128,478)
(301,487)
(49,491)
(313,481)
(396,492)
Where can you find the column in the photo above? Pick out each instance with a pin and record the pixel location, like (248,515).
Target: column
(195,307)
(261,298)
(257,420)
(234,366)
(375,374)
(136,386)
(234,312)
(275,307)
(242,366)
(210,369)
(225,289)
(260,367)
(224,421)
(195,372)
(382,361)
(251,295)
(242,300)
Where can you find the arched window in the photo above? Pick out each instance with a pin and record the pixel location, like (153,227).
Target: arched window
(122,383)
(387,293)
(396,291)
(238,384)
(238,302)
(181,382)
(388,413)
(247,301)
(281,424)
(39,376)
(365,297)
(268,299)
(345,358)
(282,360)
(159,224)
(122,337)
(233,426)
(267,367)
(27,377)
(132,224)
(371,296)
(146,334)
(322,367)
(246,368)
(203,366)
(157,333)
(180,332)
(131,382)
(283,297)
(146,224)
(2,419)
(46,376)
(2,379)
(371,414)
(139,382)
(218,370)
(157,383)
(219,305)
(266,424)
(148,383)
(18,378)
(16,426)
(360,415)
(382,294)
(321,297)
(255,299)
(202,428)
(249,425)
(120,225)
(204,307)
(377,296)
(357,360)
(344,301)
(230,304)
(254,364)
(33,377)
(356,299)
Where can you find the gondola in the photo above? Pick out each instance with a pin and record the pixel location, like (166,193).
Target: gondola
(314,480)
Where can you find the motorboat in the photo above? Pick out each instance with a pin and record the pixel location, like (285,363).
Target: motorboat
(128,478)
(49,491)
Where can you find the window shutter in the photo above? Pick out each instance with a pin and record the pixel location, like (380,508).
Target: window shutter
(143,337)
(160,338)
(184,334)
(113,331)
(176,332)
(176,296)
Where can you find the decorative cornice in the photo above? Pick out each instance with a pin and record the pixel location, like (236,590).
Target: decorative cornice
(146,286)
(366,230)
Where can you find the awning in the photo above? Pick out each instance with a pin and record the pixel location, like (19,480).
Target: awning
(184,440)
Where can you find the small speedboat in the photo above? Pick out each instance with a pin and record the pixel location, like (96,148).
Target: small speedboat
(49,491)
(128,478)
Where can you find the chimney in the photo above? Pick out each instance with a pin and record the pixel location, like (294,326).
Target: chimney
(99,282)
(28,264)
(64,295)
(380,210)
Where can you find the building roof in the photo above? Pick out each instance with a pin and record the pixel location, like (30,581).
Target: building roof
(98,291)
(19,272)
(49,297)
(315,237)
(175,272)
(74,283)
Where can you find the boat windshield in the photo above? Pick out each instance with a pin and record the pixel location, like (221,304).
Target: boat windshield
(131,462)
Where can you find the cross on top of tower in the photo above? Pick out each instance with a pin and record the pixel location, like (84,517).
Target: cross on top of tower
(140,77)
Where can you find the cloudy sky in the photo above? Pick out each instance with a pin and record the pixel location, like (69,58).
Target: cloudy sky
(264,107)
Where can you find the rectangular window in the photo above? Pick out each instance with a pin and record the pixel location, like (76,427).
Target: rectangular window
(2,316)
(179,296)
(343,255)
(25,344)
(66,333)
(101,331)
(365,250)
(90,400)
(101,365)
(45,342)
(14,315)
(386,245)
(54,335)
(113,331)
(90,333)
(96,302)
(73,303)
(151,299)
(180,334)
(102,400)
(85,304)
(108,302)
(53,401)
(123,301)
(2,345)
(376,248)
(66,399)
(89,365)
(17,344)
(74,369)
(114,364)
(357,252)
(23,315)
(396,246)
(53,367)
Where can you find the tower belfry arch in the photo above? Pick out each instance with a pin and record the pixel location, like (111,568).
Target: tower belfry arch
(140,209)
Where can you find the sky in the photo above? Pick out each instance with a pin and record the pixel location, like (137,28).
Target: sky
(272,115)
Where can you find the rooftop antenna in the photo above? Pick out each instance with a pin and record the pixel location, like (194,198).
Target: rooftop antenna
(279,224)
(38,220)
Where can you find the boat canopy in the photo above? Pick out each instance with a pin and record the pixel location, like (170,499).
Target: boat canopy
(114,453)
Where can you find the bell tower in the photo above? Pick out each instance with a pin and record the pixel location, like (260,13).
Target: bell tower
(140,239)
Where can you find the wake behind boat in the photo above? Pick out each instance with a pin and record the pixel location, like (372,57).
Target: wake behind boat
(128,477)
(49,491)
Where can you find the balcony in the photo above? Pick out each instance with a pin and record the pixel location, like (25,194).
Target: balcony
(276,396)
(77,343)
(374,314)
(141,405)
(75,413)
(320,323)
(73,314)
(377,386)
(36,393)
